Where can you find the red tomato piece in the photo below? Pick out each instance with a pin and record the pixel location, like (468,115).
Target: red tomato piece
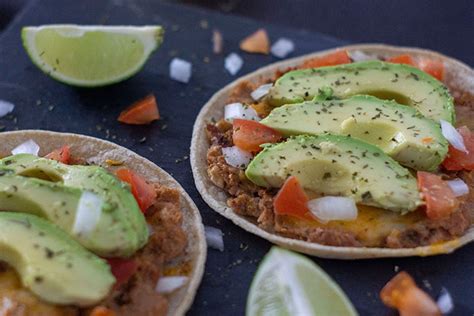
(439,197)
(459,160)
(402,293)
(432,67)
(292,200)
(143,192)
(141,112)
(62,154)
(402,59)
(249,135)
(122,269)
(337,58)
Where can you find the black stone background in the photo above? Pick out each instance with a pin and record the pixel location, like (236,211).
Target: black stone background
(42,103)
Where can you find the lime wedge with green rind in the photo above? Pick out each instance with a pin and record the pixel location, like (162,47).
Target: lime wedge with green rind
(91,56)
(288,284)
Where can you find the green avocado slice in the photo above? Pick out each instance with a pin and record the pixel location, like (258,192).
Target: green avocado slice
(405,84)
(122,228)
(59,204)
(400,131)
(340,166)
(51,264)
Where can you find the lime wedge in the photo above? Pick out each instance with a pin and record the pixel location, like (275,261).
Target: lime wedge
(90,56)
(287,283)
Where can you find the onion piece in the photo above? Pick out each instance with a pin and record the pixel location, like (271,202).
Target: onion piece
(214,238)
(261,91)
(151,231)
(169,284)
(445,302)
(331,208)
(217,42)
(7,307)
(240,111)
(6,107)
(28,147)
(453,136)
(282,47)
(358,55)
(236,157)
(233,63)
(89,210)
(458,186)
(180,70)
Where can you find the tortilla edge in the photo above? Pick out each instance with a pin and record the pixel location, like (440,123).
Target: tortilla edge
(209,191)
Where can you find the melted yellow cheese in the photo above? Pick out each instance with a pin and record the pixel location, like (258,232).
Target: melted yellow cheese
(372,225)
(18,301)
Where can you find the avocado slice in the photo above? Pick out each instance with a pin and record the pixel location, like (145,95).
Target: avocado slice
(59,204)
(51,264)
(405,84)
(121,216)
(400,131)
(337,165)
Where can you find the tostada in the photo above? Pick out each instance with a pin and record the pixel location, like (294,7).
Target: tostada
(356,152)
(88,227)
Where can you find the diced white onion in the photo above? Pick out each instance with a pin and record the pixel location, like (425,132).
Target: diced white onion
(445,302)
(6,107)
(233,63)
(89,210)
(214,238)
(7,307)
(261,91)
(28,147)
(282,47)
(458,186)
(453,136)
(180,70)
(169,284)
(240,111)
(358,55)
(331,208)
(236,157)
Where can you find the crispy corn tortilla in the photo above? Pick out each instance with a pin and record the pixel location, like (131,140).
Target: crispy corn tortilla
(97,151)
(456,73)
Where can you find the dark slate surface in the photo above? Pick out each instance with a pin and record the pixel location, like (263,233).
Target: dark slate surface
(45,104)
(445,26)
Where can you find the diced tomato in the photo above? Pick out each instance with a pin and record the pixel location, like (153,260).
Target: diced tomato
(402,293)
(292,200)
(62,154)
(439,197)
(102,311)
(143,192)
(122,269)
(337,58)
(432,67)
(249,135)
(459,160)
(402,59)
(141,112)
(257,42)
